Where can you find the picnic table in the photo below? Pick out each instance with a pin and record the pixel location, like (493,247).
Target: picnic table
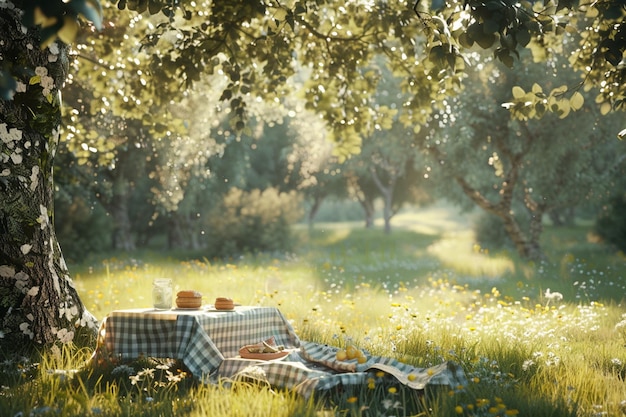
(208,342)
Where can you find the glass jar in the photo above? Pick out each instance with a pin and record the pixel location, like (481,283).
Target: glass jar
(162,293)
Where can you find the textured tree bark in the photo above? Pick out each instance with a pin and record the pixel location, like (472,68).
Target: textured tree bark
(387,192)
(38,302)
(526,246)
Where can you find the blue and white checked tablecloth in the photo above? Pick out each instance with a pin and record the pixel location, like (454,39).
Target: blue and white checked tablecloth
(208,343)
(200,338)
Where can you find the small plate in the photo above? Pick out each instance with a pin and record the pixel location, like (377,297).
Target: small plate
(211,308)
(187,308)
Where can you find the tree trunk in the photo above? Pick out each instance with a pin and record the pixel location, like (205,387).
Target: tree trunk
(526,248)
(317,203)
(368,208)
(38,302)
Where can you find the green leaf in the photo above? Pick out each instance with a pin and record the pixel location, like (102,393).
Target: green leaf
(436,55)
(491,26)
(577,101)
(505,57)
(522,36)
(518,92)
(540,109)
(465,40)
(226,95)
(155,6)
(485,40)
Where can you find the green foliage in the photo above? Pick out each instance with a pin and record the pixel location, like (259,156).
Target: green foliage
(82,230)
(252,221)
(257,46)
(611,224)
(521,170)
(490,234)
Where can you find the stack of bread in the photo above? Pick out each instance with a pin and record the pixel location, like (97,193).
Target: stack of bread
(188,299)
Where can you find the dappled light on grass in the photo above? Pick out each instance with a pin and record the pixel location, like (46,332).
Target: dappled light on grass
(524,350)
(434,220)
(459,252)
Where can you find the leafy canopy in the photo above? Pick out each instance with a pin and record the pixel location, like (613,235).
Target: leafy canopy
(258,46)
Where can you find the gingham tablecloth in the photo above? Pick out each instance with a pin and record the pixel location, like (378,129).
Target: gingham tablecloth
(208,343)
(200,338)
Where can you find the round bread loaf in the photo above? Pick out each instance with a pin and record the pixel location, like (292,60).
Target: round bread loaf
(188,299)
(223,303)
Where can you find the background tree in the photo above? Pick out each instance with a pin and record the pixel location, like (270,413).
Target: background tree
(521,170)
(389,163)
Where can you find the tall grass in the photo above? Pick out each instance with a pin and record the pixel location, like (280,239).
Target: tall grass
(421,294)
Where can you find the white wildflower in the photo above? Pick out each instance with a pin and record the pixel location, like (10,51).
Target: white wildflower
(47,82)
(41,71)
(135,379)
(44,220)
(25,329)
(65,336)
(54,48)
(21,281)
(34,178)
(25,248)
(16,158)
(7,271)
(527,364)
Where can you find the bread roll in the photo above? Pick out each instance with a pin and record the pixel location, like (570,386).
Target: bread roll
(188,299)
(223,303)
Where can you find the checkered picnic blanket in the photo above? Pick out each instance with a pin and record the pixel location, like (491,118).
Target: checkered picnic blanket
(314,368)
(208,343)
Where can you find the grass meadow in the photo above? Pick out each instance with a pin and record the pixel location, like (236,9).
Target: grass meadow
(423,294)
